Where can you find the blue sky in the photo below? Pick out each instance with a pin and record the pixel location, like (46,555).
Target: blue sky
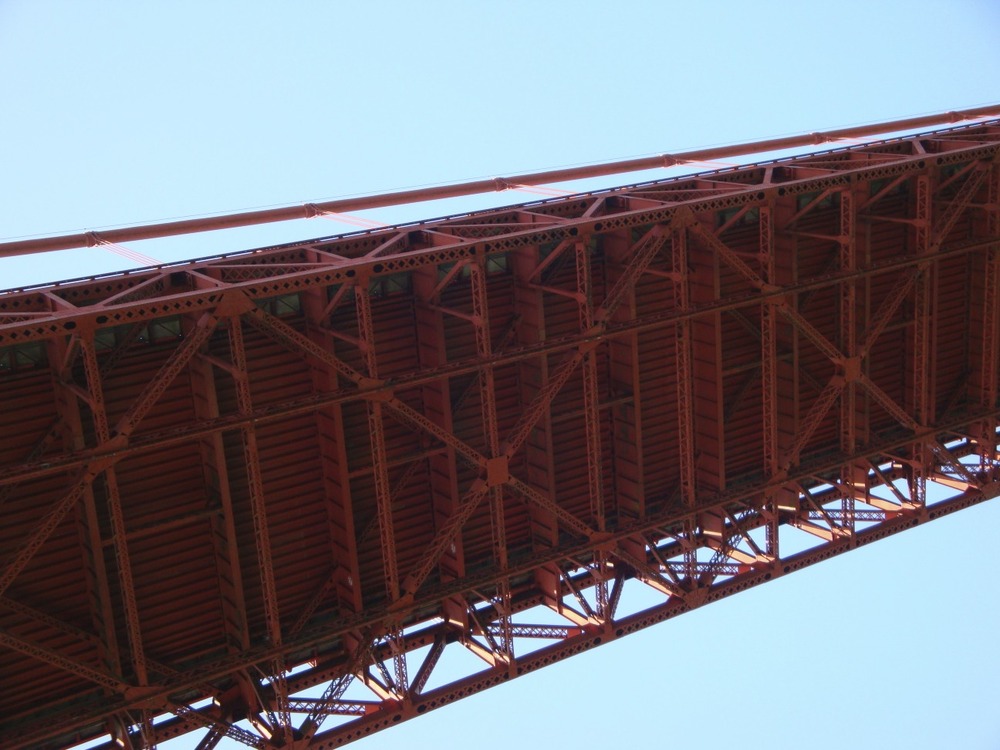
(124,112)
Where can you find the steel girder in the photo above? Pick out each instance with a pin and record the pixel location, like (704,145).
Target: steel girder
(532,407)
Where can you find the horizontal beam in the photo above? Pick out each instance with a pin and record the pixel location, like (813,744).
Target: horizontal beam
(376,616)
(536,571)
(475,187)
(579,640)
(144,442)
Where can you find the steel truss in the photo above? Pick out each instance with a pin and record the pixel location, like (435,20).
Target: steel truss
(412,440)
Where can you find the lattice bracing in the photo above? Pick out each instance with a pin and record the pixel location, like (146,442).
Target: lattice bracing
(261,496)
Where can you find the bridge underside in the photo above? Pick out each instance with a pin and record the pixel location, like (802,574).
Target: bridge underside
(263,494)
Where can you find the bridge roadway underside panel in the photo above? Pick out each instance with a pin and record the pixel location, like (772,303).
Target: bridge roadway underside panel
(260,496)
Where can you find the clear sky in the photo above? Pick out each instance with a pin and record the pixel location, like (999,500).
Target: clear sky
(124,112)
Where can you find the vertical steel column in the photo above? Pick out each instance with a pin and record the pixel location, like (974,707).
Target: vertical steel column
(491,429)
(533,376)
(625,390)
(699,282)
(258,508)
(625,384)
(685,387)
(439,407)
(990,323)
(922,348)
(383,490)
(132,625)
(769,375)
(781,375)
(592,417)
(682,347)
(345,576)
(591,386)
(62,355)
(432,343)
(217,481)
(853,478)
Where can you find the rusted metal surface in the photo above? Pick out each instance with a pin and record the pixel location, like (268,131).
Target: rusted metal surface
(323,465)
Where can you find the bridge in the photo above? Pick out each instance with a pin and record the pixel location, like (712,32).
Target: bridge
(239,492)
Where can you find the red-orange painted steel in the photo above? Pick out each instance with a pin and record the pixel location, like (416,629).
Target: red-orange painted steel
(309,210)
(228,481)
